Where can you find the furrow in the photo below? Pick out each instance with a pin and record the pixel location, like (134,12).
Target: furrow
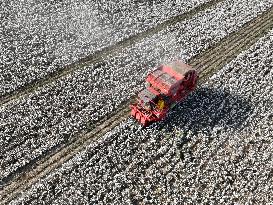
(248,28)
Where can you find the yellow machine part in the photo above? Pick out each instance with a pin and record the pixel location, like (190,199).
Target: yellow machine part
(160,104)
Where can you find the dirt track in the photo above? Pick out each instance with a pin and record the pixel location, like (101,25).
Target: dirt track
(207,63)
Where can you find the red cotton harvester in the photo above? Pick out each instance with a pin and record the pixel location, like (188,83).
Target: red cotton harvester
(166,86)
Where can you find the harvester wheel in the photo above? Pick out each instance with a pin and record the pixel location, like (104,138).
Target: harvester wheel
(192,82)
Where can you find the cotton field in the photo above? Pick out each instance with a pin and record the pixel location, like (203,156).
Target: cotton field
(61,110)
(214,148)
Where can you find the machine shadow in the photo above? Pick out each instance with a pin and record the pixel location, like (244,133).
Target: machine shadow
(207,108)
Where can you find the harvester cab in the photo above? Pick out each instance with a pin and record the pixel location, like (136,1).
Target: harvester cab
(165,87)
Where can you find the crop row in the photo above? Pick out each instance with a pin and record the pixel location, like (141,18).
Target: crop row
(33,125)
(215,147)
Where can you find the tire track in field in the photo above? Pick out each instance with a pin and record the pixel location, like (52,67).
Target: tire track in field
(214,58)
(233,44)
(98,56)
